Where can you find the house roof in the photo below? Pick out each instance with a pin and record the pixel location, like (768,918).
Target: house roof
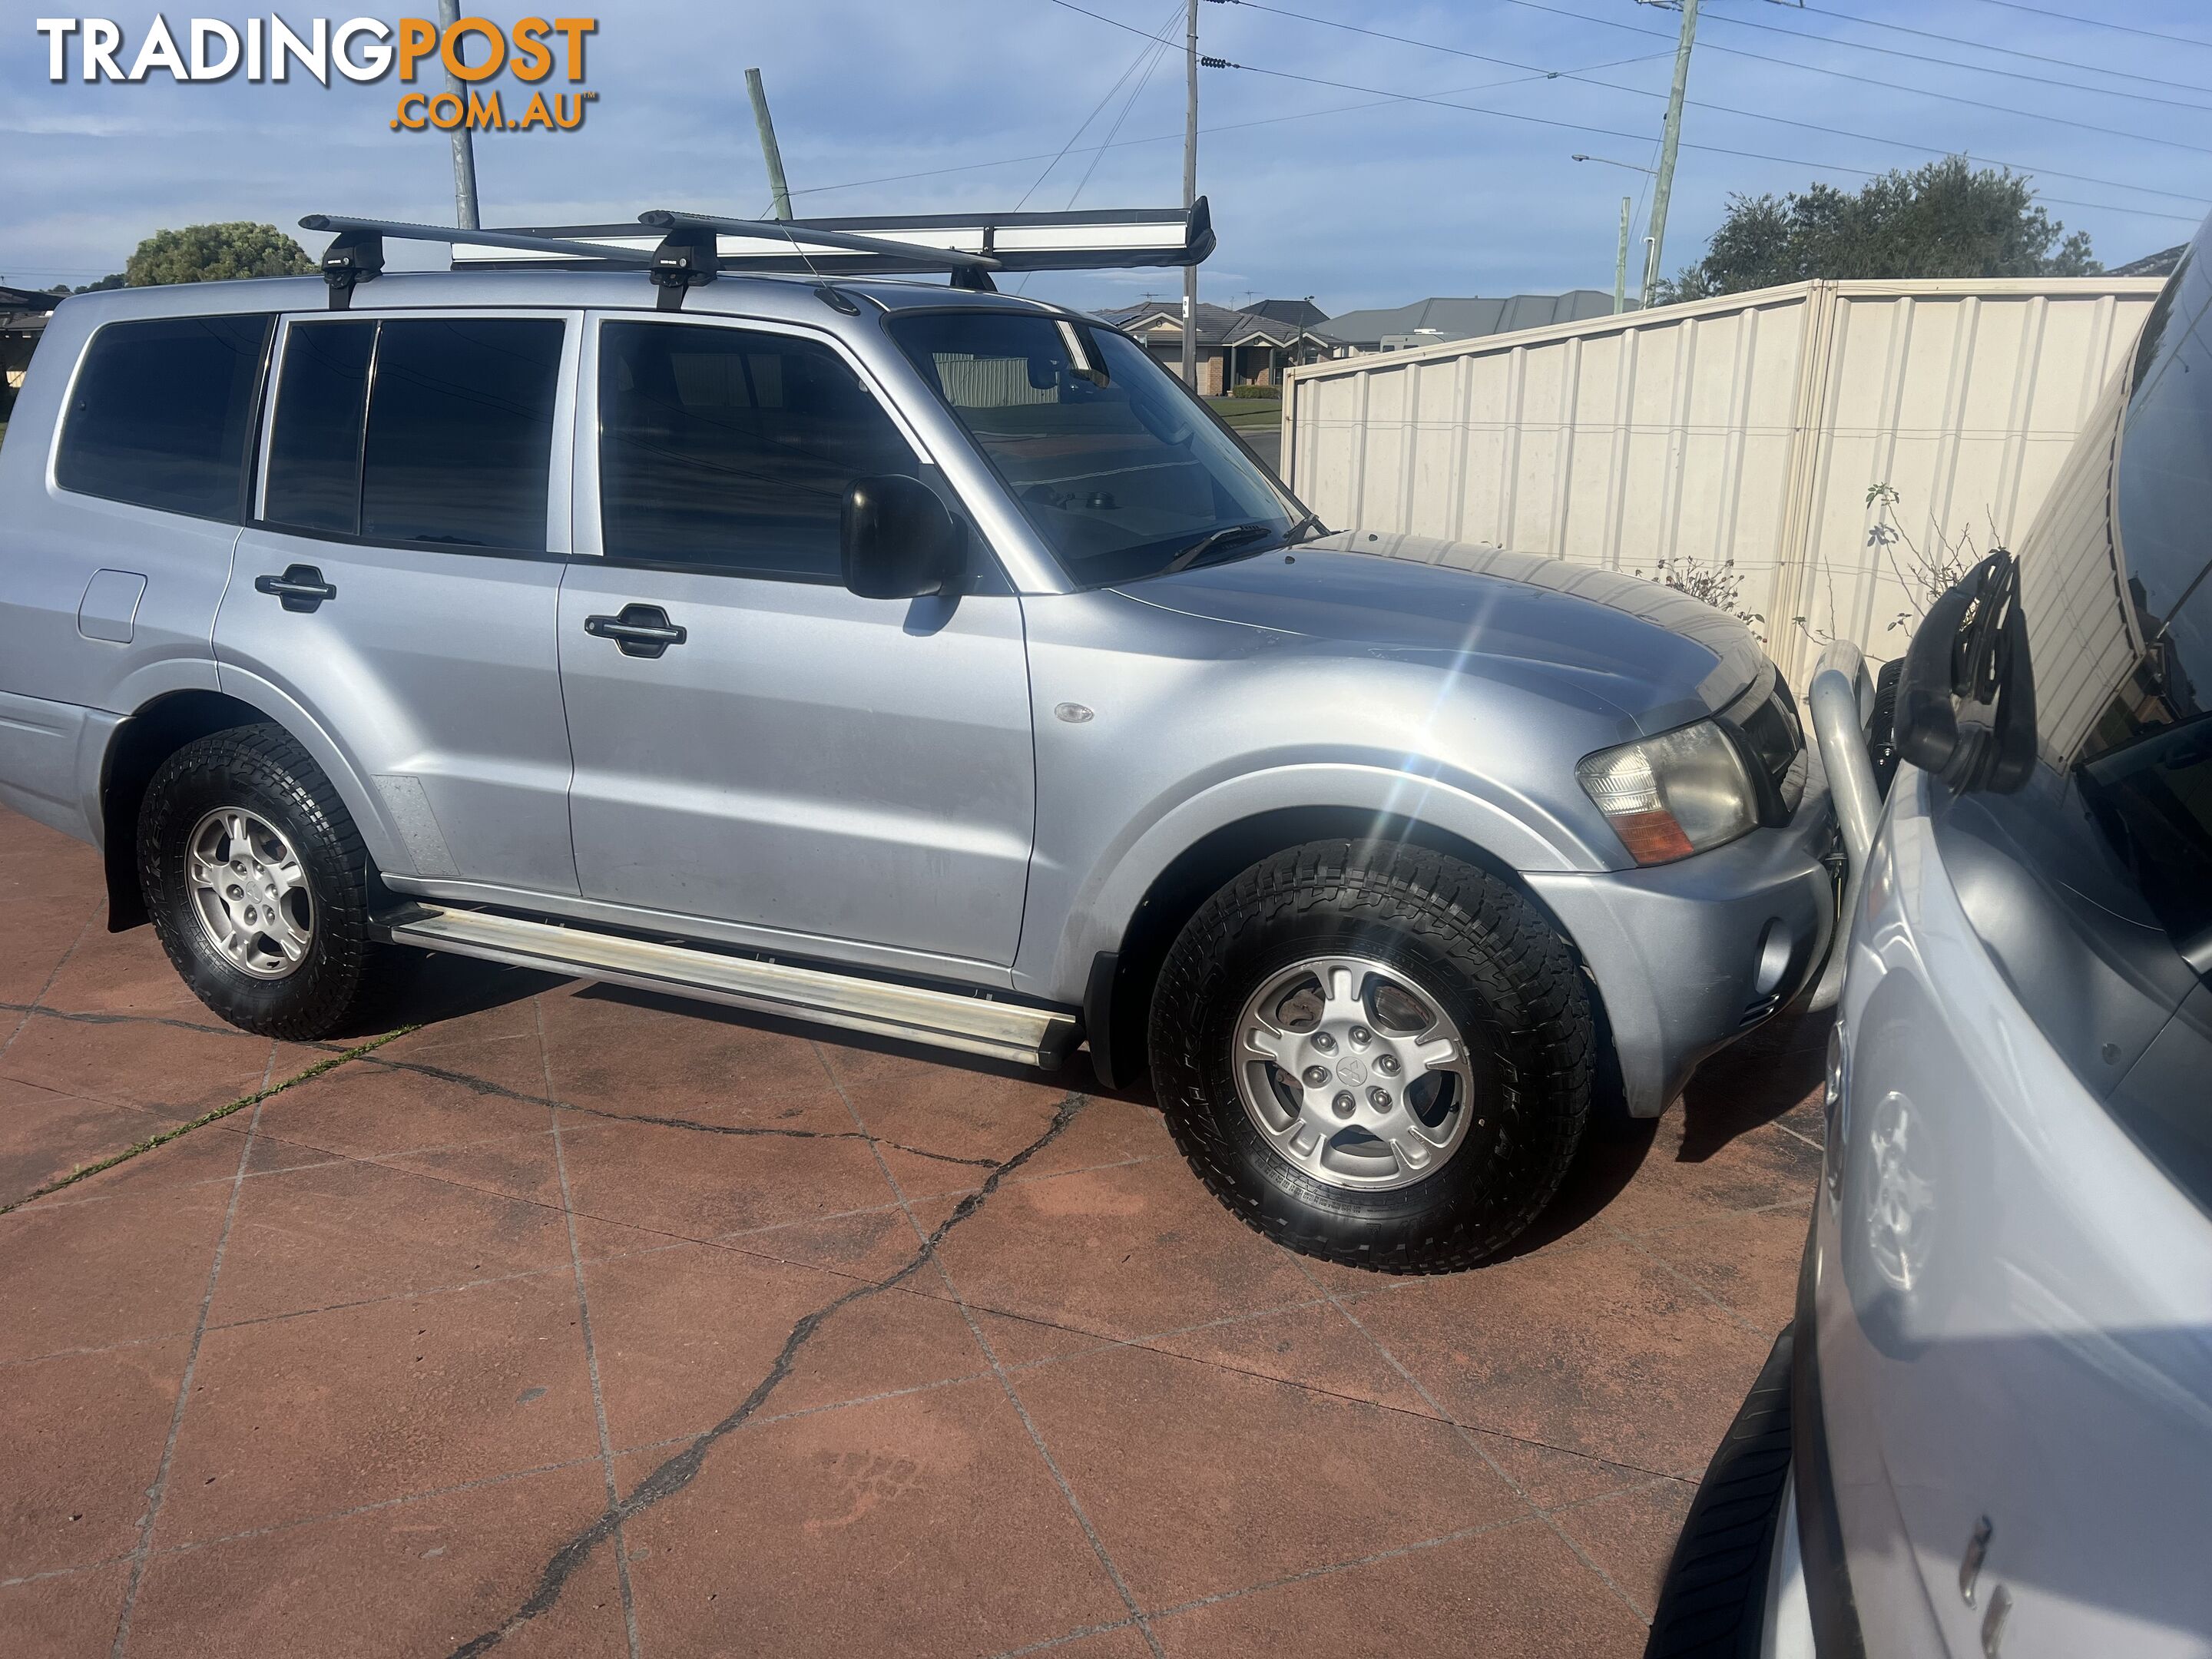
(1293,312)
(1469,319)
(1217,325)
(2161,264)
(26,299)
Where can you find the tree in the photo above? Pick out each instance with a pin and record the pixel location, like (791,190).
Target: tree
(1946,219)
(215,253)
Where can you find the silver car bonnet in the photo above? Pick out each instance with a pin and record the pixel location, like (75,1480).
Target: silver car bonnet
(1661,657)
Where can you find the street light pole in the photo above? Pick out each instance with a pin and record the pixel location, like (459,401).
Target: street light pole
(1190,192)
(465,154)
(778,190)
(1621,261)
(1669,142)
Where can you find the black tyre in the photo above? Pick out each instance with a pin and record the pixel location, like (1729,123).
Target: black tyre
(1374,1054)
(257,882)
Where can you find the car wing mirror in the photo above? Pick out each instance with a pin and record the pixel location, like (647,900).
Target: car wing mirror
(1965,695)
(897,540)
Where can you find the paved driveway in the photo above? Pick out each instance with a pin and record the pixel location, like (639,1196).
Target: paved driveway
(572,1322)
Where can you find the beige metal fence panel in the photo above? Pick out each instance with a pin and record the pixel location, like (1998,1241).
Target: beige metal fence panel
(1745,431)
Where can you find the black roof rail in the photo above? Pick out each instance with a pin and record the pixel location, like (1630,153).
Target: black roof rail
(693,248)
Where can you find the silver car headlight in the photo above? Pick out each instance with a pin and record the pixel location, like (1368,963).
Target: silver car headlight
(1670,796)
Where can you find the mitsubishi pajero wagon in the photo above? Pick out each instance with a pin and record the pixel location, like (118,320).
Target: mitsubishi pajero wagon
(919,660)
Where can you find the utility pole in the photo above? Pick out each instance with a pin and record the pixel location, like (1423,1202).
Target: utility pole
(1670,140)
(769,152)
(1621,262)
(465,154)
(1190,194)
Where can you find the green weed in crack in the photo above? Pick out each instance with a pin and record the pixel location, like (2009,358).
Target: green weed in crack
(680,1469)
(357,1052)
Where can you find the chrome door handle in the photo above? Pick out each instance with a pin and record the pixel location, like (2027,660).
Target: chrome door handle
(301,588)
(641,630)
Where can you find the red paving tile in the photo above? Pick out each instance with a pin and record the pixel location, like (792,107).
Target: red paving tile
(1118,1252)
(1516,1593)
(1631,1536)
(46,1134)
(38,934)
(1600,1352)
(319,1237)
(175,1072)
(292,1418)
(683,1335)
(1237,1481)
(122,1269)
(392,1426)
(66,1615)
(368,1110)
(1315,1346)
(1748,1262)
(922,1525)
(81,1438)
(421,1577)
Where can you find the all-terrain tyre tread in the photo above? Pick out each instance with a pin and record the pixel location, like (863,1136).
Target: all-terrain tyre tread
(309,1005)
(1527,973)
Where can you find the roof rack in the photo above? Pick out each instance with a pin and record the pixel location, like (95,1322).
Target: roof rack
(692,248)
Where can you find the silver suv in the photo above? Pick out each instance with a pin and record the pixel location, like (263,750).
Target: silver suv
(916,659)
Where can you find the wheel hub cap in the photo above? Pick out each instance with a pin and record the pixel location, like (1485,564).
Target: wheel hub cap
(250,893)
(1353,1073)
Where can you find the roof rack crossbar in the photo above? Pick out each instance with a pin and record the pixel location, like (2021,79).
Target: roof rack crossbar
(356,255)
(694,248)
(798,234)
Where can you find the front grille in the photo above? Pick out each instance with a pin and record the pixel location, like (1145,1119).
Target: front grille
(1775,737)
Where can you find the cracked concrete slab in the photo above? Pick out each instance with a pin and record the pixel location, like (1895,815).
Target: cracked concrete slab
(554,1318)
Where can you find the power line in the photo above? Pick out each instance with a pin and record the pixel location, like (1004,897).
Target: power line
(1955,41)
(1887,51)
(1157,41)
(2100,23)
(1562,75)
(1226,126)
(1712,149)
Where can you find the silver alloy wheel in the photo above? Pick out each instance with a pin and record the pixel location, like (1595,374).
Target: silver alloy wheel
(250,893)
(1353,1074)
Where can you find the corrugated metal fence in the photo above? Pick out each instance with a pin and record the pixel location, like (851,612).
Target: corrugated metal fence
(1748,428)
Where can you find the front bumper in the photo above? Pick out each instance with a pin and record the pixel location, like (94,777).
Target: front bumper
(1688,957)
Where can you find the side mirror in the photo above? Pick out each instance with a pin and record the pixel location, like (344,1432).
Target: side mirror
(1965,698)
(899,542)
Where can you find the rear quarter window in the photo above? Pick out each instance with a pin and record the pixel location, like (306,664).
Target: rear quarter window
(163,414)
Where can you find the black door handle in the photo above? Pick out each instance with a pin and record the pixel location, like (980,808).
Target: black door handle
(301,588)
(641,630)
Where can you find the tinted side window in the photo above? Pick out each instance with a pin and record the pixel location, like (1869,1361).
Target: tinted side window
(459,444)
(163,414)
(314,441)
(725,447)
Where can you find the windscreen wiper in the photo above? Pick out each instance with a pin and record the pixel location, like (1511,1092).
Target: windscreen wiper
(1229,534)
(1291,536)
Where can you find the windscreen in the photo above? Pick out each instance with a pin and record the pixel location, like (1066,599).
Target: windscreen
(1120,471)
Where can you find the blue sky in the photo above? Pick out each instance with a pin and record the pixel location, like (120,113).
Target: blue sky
(1317,188)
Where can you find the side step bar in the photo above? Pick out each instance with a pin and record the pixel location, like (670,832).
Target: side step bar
(947,1019)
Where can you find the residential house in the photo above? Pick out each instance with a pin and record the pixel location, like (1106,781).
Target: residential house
(1433,322)
(22,320)
(1235,347)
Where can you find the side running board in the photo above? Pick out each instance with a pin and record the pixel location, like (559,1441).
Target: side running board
(948,1019)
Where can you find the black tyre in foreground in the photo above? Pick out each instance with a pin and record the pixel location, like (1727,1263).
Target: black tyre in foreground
(257,882)
(1374,1053)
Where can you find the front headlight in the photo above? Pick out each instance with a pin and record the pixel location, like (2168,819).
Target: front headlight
(1674,794)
